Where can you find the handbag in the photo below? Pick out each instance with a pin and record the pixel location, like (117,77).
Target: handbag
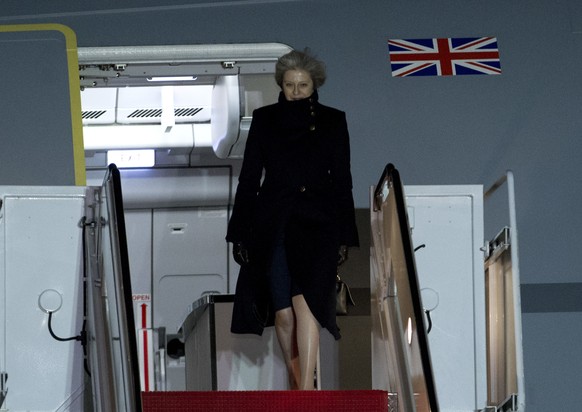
(343,297)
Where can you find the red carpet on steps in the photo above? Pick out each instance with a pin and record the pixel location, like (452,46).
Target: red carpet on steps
(264,401)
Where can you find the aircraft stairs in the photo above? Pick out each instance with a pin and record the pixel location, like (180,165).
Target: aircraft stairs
(402,368)
(126,392)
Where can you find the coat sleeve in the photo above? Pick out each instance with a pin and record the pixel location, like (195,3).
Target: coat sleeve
(342,183)
(239,226)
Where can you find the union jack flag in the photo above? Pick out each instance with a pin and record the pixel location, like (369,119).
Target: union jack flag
(444,57)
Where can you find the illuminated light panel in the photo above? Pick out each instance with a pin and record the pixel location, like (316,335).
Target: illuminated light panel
(132,158)
(172,78)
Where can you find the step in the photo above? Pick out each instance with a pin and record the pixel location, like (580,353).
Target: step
(265,401)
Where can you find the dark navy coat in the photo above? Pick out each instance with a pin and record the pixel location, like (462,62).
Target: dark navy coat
(295,177)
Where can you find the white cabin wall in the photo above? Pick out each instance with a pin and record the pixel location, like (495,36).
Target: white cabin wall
(176,224)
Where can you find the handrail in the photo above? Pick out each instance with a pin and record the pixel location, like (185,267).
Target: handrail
(122,285)
(408,288)
(508,179)
(112,337)
(386,174)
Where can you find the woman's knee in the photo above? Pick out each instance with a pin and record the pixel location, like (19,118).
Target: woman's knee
(302,311)
(285,318)
(300,306)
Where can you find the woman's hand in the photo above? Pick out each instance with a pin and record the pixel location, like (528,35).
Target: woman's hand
(240,253)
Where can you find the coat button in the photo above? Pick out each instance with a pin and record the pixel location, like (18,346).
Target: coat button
(302,189)
(312,127)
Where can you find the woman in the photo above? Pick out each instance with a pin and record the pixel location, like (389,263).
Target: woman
(293,214)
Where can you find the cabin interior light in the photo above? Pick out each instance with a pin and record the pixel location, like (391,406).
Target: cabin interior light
(132,158)
(172,79)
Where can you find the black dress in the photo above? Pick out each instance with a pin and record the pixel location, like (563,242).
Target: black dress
(295,177)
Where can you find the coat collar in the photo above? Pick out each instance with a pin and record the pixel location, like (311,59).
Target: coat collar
(314,98)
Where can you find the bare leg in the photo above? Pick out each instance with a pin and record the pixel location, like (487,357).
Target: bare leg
(307,341)
(285,328)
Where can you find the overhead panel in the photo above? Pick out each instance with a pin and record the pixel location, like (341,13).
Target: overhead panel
(225,115)
(214,88)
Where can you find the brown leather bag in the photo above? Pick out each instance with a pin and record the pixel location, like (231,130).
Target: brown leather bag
(343,297)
